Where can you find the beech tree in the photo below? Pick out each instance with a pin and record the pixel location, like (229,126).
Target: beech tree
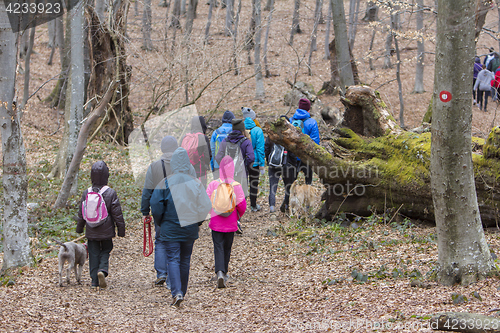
(341,44)
(463,254)
(419,72)
(15,186)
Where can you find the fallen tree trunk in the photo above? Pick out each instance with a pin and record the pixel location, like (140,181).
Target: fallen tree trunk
(365,174)
(465,322)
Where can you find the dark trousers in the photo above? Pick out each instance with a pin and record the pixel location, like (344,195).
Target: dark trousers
(480,98)
(474,91)
(289,174)
(253,179)
(307,170)
(99,258)
(223,242)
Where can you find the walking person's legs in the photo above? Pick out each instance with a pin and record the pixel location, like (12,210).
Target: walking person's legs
(274,178)
(253,175)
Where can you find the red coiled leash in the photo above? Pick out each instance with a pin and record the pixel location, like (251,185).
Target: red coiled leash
(147,243)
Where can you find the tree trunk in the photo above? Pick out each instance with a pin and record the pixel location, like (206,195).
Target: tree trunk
(313,47)
(228,27)
(342,45)
(71,175)
(250,37)
(482,8)
(334,83)
(266,38)
(327,30)
(419,72)
(400,87)
(235,37)
(371,12)
(108,56)
(463,254)
(295,22)
(75,94)
(373,165)
(209,21)
(147,44)
(16,246)
(259,81)
(190,17)
(176,14)
(27,60)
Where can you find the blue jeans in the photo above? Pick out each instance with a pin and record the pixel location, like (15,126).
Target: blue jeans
(178,256)
(161,266)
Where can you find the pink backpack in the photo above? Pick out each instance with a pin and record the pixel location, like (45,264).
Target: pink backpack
(191,144)
(94,209)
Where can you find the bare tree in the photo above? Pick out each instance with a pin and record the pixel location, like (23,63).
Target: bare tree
(259,81)
(419,72)
(191,14)
(342,44)
(27,60)
(463,254)
(147,43)
(327,30)
(266,38)
(75,93)
(295,21)
(228,27)
(312,48)
(353,21)
(15,186)
(235,38)
(209,21)
(176,15)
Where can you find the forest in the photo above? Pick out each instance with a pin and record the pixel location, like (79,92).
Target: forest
(390,85)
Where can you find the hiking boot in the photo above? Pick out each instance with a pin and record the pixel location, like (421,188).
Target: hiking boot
(177,300)
(102,280)
(271,209)
(256,208)
(284,208)
(239,231)
(160,281)
(221,281)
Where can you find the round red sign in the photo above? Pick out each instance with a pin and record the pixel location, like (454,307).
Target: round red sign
(445,96)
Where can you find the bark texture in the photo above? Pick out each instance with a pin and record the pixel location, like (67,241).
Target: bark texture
(463,254)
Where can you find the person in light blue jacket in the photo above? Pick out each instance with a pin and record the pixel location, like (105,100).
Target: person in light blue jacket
(217,137)
(310,127)
(258,167)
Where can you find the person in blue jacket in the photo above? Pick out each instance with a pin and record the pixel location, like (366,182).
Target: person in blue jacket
(310,127)
(258,166)
(217,137)
(181,204)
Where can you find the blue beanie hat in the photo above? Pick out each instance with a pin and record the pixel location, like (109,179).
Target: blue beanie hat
(169,144)
(227,117)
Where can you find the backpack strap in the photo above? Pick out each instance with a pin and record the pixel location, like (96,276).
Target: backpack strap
(103,189)
(164,171)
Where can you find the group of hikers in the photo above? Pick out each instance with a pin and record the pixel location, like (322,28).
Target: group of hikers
(178,198)
(486,79)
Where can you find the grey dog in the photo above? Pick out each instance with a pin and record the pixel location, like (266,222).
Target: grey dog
(76,255)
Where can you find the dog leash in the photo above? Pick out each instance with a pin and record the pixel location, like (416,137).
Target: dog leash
(147,243)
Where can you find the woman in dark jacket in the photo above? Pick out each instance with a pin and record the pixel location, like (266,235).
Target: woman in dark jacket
(99,238)
(180,204)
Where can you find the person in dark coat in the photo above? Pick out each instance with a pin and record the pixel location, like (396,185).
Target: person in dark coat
(100,238)
(217,137)
(288,172)
(237,136)
(181,204)
(201,155)
(157,171)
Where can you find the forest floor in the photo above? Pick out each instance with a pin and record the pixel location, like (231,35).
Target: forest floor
(285,275)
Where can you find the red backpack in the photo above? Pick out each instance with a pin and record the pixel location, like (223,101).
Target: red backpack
(191,144)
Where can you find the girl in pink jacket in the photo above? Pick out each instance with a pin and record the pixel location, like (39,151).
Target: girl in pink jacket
(224,227)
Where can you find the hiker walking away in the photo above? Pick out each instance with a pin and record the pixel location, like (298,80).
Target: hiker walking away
(239,148)
(158,171)
(180,204)
(489,57)
(258,166)
(483,87)
(477,68)
(247,112)
(494,63)
(282,164)
(217,137)
(100,233)
(228,205)
(310,127)
(197,146)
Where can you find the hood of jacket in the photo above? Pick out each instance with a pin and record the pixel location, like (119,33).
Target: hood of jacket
(301,114)
(226,169)
(169,144)
(198,124)
(99,173)
(249,123)
(180,163)
(234,136)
